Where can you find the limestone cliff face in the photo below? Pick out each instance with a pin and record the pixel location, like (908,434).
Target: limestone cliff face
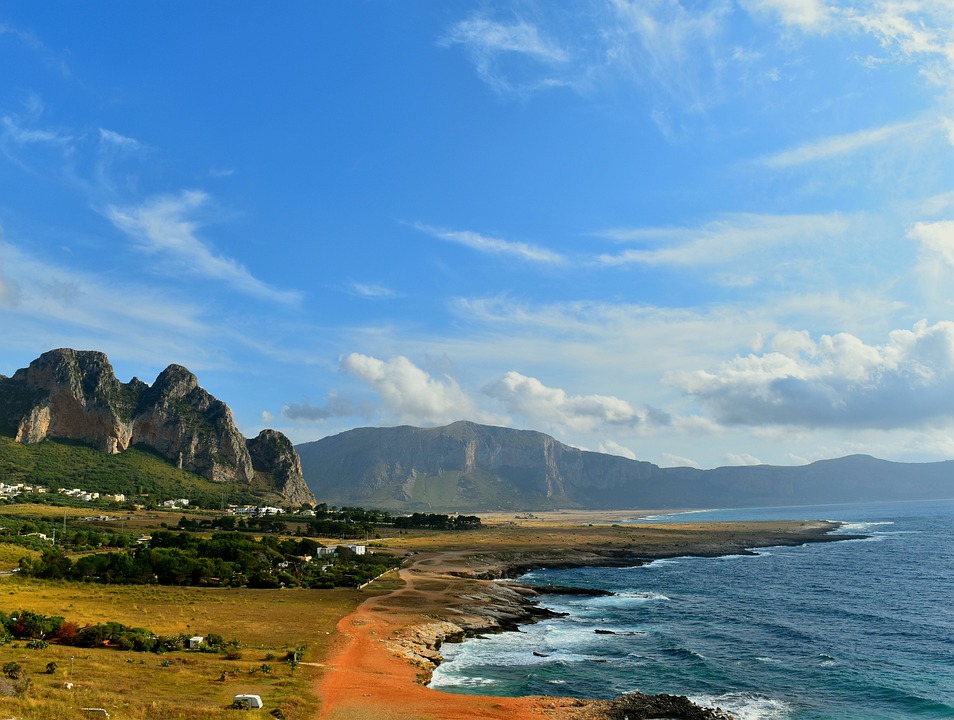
(188,426)
(75,395)
(463,466)
(271,452)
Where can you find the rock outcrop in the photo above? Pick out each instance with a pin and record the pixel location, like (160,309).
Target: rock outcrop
(75,395)
(271,452)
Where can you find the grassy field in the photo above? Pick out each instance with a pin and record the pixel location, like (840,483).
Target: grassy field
(177,685)
(266,623)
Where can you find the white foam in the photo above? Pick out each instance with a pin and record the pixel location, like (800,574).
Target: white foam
(747,706)
(862,526)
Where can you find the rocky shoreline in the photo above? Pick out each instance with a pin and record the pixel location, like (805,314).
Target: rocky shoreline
(493,607)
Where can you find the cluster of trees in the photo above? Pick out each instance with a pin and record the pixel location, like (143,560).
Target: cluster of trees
(225,559)
(20,531)
(436,521)
(347,522)
(41,629)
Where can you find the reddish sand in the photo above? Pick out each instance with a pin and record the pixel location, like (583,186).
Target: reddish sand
(366,679)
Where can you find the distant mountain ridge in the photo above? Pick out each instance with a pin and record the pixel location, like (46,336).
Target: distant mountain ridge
(470,467)
(75,395)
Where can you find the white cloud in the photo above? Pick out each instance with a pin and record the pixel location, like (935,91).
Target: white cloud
(495,246)
(485,36)
(836,381)
(530,398)
(671,460)
(611,447)
(267,417)
(674,49)
(841,145)
(17,133)
(809,15)
(936,239)
(370,290)
(724,240)
(410,394)
(509,56)
(122,142)
(49,305)
(162,226)
(742,459)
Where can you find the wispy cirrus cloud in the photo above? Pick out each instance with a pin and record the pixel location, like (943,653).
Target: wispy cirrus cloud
(510,56)
(807,15)
(164,226)
(721,241)
(47,304)
(373,291)
(847,144)
(494,246)
(117,140)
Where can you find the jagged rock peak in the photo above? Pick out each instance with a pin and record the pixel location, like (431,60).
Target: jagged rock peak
(175,382)
(272,452)
(74,395)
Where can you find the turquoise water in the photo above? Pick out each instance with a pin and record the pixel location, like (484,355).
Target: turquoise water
(860,629)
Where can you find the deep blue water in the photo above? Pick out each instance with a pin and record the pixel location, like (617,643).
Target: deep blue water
(860,629)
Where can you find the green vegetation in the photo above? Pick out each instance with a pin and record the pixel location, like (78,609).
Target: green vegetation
(225,559)
(138,473)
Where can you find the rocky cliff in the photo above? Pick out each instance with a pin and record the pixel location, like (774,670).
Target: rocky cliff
(75,395)
(467,467)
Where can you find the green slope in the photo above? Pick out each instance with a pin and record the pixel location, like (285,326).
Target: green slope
(135,472)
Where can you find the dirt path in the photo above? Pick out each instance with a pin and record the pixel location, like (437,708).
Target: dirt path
(367,680)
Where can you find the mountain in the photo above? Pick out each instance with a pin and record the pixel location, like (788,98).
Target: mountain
(470,467)
(74,395)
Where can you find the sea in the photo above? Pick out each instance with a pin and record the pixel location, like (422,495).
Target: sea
(851,630)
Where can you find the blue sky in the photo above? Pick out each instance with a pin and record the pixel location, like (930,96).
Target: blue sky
(692,233)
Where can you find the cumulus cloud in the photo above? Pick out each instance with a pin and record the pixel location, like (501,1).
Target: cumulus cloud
(737,459)
(611,447)
(164,226)
(408,393)
(529,397)
(670,460)
(494,246)
(936,239)
(837,380)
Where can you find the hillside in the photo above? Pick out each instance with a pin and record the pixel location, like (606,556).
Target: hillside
(469,467)
(73,395)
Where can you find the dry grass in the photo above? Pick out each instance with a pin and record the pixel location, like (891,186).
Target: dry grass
(179,685)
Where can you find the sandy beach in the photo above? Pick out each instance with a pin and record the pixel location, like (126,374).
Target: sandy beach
(388,646)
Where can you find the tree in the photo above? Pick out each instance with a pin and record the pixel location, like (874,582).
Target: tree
(12,670)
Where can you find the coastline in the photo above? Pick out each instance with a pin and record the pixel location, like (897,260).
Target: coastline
(391,643)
